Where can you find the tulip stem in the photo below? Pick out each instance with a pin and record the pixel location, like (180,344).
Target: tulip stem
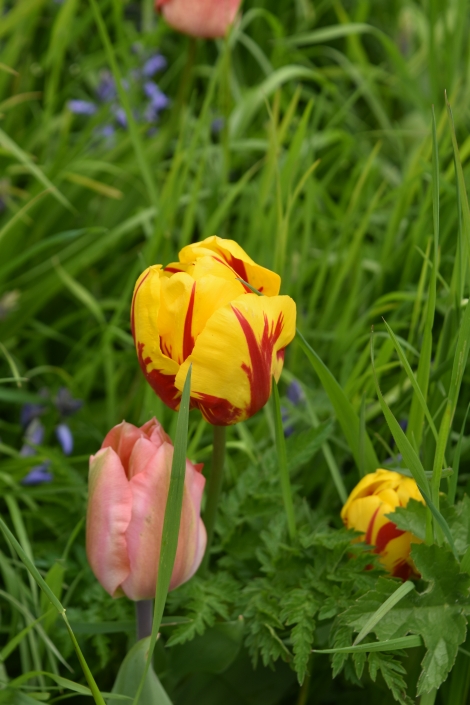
(144,618)
(214,488)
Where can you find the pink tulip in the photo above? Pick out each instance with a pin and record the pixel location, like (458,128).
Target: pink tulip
(128,488)
(199,18)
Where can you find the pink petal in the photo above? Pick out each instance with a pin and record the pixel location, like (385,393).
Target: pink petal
(121,439)
(155,432)
(108,517)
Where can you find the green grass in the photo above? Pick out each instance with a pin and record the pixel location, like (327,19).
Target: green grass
(323,171)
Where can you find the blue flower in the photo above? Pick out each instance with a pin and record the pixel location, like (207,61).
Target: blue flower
(38,475)
(158,101)
(155,63)
(217,125)
(295,393)
(65,438)
(82,107)
(34,436)
(65,404)
(106,90)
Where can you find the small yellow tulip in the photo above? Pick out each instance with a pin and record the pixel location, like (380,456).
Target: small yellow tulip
(366,509)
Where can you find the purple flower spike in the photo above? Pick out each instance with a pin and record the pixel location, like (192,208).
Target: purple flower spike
(65,404)
(217,126)
(121,117)
(82,107)
(65,438)
(34,436)
(30,412)
(106,90)
(156,63)
(295,393)
(288,429)
(38,475)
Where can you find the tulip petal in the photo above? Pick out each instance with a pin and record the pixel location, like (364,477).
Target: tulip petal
(199,18)
(155,432)
(236,355)
(144,534)
(158,368)
(108,516)
(121,439)
(232,255)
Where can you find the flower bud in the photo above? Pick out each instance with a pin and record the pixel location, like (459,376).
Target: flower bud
(374,497)
(129,480)
(199,18)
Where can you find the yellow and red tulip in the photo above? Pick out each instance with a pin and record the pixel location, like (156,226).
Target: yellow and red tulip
(128,488)
(376,495)
(199,18)
(197,311)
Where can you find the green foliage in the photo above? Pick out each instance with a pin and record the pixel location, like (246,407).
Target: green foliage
(326,168)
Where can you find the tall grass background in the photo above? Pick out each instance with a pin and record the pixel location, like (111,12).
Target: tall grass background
(320,167)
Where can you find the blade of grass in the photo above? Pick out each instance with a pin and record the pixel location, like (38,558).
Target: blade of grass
(22,157)
(347,417)
(412,378)
(452,483)
(98,698)
(282,462)
(171,524)
(417,411)
(403,642)
(389,603)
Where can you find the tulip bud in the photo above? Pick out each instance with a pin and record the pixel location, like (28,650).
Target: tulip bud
(129,480)
(197,311)
(199,18)
(366,509)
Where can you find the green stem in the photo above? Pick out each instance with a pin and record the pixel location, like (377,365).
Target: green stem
(144,618)
(428,698)
(214,488)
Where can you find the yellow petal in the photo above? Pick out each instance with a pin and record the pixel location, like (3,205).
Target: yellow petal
(158,368)
(230,253)
(236,354)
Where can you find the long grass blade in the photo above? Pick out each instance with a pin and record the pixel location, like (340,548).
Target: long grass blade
(171,524)
(282,462)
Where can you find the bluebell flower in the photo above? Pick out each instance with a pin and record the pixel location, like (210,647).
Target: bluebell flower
(65,404)
(82,107)
(38,475)
(295,393)
(155,63)
(158,101)
(121,117)
(285,416)
(106,90)
(217,125)
(30,412)
(65,438)
(34,436)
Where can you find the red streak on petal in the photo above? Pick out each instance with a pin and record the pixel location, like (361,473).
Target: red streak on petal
(370,528)
(198,467)
(387,533)
(280,354)
(230,266)
(218,411)
(163,385)
(173,270)
(402,570)
(160,3)
(133,305)
(188,340)
(261,354)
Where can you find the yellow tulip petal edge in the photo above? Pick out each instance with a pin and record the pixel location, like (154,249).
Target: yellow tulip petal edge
(197,311)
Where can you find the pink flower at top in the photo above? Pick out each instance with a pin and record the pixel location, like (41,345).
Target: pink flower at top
(128,487)
(199,18)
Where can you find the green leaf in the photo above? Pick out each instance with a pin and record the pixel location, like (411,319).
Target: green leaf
(437,615)
(171,525)
(131,672)
(213,652)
